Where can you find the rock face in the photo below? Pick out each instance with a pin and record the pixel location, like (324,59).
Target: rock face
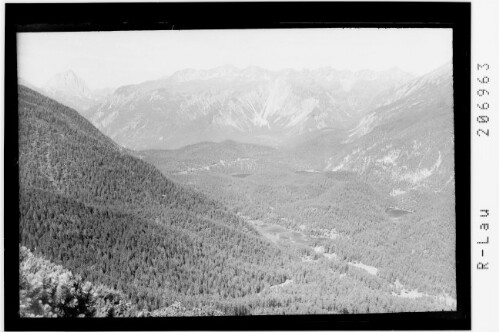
(70,90)
(251,105)
(386,126)
(409,140)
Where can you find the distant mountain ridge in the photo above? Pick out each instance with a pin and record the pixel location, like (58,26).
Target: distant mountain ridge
(71,90)
(313,154)
(67,81)
(409,140)
(251,105)
(367,122)
(406,141)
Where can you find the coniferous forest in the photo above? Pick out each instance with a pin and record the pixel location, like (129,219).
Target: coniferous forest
(215,229)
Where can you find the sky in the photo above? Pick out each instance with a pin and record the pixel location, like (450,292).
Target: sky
(112,59)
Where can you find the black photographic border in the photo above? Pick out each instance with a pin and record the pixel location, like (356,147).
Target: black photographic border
(185,16)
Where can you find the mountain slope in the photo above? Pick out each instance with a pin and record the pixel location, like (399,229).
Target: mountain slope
(251,105)
(340,213)
(69,89)
(408,141)
(22,81)
(86,204)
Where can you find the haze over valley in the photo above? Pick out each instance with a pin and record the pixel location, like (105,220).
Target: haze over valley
(241,190)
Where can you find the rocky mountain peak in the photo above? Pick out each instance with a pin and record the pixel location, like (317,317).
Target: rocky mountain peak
(71,90)
(67,81)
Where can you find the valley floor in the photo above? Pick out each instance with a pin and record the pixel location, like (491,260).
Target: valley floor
(354,247)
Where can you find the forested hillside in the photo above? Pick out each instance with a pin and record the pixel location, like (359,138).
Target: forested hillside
(116,220)
(50,290)
(381,194)
(213,237)
(339,212)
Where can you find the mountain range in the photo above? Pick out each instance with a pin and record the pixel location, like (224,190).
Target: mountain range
(405,140)
(247,190)
(71,90)
(373,123)
(408,141)
(251,105)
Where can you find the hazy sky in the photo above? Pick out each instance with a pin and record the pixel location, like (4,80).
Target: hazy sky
(110,59)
